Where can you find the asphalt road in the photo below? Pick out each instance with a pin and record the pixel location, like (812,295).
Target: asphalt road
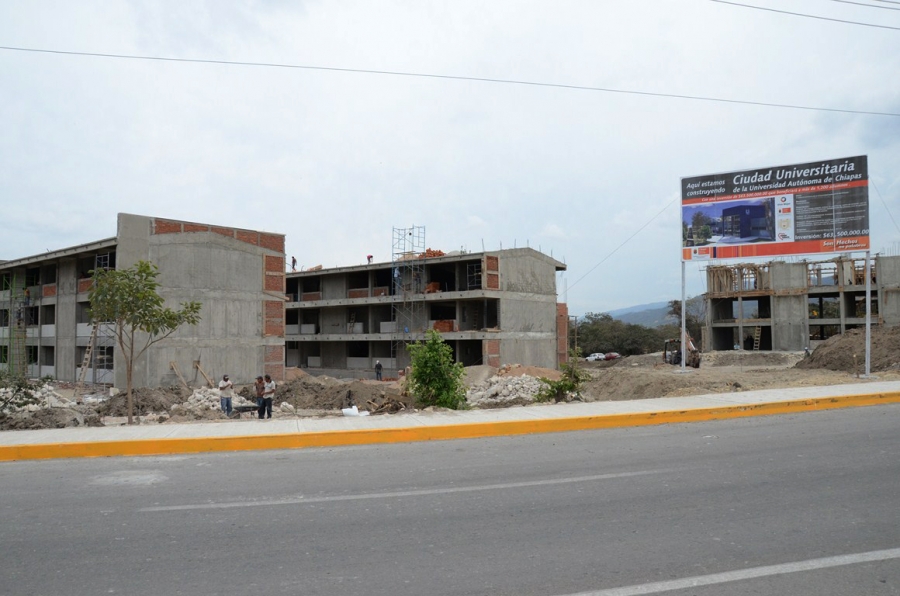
(805,504)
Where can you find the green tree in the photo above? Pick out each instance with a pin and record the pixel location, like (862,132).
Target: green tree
(434,379)
(694,317)
(129,301)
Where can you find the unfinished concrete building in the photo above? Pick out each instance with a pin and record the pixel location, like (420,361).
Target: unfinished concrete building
(237,275)
(491,307)
(792,306)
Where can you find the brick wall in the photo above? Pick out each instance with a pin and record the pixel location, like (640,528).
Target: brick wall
(273,242)
(562,333)
(491,352)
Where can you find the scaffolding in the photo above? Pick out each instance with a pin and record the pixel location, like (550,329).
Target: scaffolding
(407,280)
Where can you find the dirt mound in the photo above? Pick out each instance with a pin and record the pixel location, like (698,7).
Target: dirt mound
(50,418)
(838,351)
(750,358)
(327,393)
(146,400)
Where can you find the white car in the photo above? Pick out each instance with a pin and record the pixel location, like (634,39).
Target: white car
(595,357)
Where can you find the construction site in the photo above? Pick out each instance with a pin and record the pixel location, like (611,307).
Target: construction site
(792,306)
(320,332)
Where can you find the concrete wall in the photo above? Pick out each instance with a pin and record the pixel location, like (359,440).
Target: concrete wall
(788,276)
(66,294)
(887,271)
(526,270)
(790,329)
(238,277)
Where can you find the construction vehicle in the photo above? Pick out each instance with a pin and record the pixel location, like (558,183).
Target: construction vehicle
(672,352)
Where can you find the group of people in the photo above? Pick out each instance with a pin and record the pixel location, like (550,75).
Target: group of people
(265,394)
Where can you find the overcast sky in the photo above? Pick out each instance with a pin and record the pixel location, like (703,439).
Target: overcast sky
(336,160)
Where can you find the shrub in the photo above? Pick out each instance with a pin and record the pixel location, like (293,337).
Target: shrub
(571,381)
(434,379)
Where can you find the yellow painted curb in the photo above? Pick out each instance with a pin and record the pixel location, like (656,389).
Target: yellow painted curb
(430,433)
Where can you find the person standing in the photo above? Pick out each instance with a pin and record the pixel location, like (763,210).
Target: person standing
(226,394)
(259,388)
(378,369)
(268,397)
(293,263)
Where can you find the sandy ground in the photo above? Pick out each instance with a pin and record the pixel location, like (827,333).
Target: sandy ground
(836,361)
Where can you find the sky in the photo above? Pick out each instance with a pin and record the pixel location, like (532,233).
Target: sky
(337,160)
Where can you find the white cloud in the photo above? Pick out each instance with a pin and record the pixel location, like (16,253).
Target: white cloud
(336,160)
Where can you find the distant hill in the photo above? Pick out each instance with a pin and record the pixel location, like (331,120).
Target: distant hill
(648,315)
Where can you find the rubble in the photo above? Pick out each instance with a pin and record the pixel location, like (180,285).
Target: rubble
(206,403)
(503,391)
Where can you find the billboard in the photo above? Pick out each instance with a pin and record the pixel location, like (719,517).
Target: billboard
(808,208)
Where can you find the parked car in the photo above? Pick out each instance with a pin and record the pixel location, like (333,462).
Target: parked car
(613,356)
(595,357)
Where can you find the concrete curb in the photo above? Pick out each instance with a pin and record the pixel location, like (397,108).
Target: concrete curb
(431,433)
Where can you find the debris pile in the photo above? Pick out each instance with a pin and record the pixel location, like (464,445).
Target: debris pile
(205,403)
(39,406)
(503,391)
(31,399)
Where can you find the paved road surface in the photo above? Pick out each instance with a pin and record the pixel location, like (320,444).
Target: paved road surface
(799,504)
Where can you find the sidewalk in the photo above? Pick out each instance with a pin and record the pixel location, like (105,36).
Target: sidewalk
(293,433)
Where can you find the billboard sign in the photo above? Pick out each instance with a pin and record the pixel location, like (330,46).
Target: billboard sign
(809,208)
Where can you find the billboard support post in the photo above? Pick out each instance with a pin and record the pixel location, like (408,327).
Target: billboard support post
(868,316)
(683,322)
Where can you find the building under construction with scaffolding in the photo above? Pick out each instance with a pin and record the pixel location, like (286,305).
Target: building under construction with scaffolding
(792,306)
(237,275)
(490,307)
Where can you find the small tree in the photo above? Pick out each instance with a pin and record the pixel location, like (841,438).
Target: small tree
(127,299)
(434,379)
(572,379)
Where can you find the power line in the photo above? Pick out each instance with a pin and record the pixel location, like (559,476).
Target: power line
(867,5)
(809,16)
(886,208)
(453,78)
(626,241)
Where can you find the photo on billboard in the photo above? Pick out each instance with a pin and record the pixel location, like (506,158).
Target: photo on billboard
(810,208)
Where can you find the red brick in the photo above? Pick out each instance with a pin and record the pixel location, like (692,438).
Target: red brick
(192,227)
(274,327)
(48,290)
(358,293)
(493,281)
(492,346)
(491,264)
(274,354)
(274,283)
(276,371)
(164,226)
(85,285)
(248,237)
(272,242)
(228,232)
(274,309)
(275,264)
(310,296)
(494,361)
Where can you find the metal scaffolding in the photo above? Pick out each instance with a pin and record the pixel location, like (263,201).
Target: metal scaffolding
(407,280)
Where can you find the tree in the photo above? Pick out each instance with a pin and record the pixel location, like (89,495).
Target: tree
(695,315)
(434,379)
(128,300)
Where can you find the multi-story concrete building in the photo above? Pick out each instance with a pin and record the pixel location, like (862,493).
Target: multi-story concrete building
(792,306)
(237,275)
(491,307)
